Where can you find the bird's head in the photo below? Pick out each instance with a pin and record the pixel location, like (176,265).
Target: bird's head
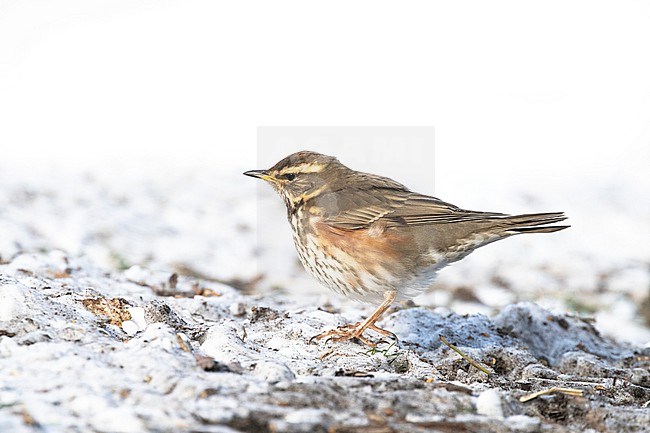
(302,176)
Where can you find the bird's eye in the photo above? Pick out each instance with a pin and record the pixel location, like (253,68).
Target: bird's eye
(288,176)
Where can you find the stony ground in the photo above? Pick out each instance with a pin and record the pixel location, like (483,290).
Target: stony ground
(114,318)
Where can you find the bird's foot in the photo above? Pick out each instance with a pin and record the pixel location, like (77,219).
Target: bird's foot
(353,331)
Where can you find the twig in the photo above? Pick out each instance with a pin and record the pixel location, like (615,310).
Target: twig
(472,362)
(568,391)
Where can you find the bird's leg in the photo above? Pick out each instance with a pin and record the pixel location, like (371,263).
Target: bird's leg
(350,331)
(389,297)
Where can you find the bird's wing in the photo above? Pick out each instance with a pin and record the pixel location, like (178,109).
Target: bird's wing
(360,209)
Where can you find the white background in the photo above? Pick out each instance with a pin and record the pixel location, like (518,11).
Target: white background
(530,89)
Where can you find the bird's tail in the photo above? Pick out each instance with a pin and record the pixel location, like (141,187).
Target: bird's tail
(533,223)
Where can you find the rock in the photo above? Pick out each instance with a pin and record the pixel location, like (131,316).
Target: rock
(197,362)
(12,300)
(158,311)
(130,327)
(523,423)
(488,403)
(273,372)
(301,420)
(237,309)
(549,336)
(7,346)
(224,342)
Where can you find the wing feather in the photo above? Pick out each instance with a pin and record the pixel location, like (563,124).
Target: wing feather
(398,208)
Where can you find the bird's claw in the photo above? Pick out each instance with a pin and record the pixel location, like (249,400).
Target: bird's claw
(353,332)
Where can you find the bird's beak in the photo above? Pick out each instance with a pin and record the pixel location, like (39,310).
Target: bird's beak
(260,174)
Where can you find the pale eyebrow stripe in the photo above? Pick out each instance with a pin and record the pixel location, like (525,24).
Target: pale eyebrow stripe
(303,168)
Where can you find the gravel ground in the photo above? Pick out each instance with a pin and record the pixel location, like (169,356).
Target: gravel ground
(140,305)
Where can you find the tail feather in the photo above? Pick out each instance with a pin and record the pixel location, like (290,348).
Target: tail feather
(530,223)
(547,229)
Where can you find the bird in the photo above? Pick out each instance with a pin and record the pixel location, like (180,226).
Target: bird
(370,238)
